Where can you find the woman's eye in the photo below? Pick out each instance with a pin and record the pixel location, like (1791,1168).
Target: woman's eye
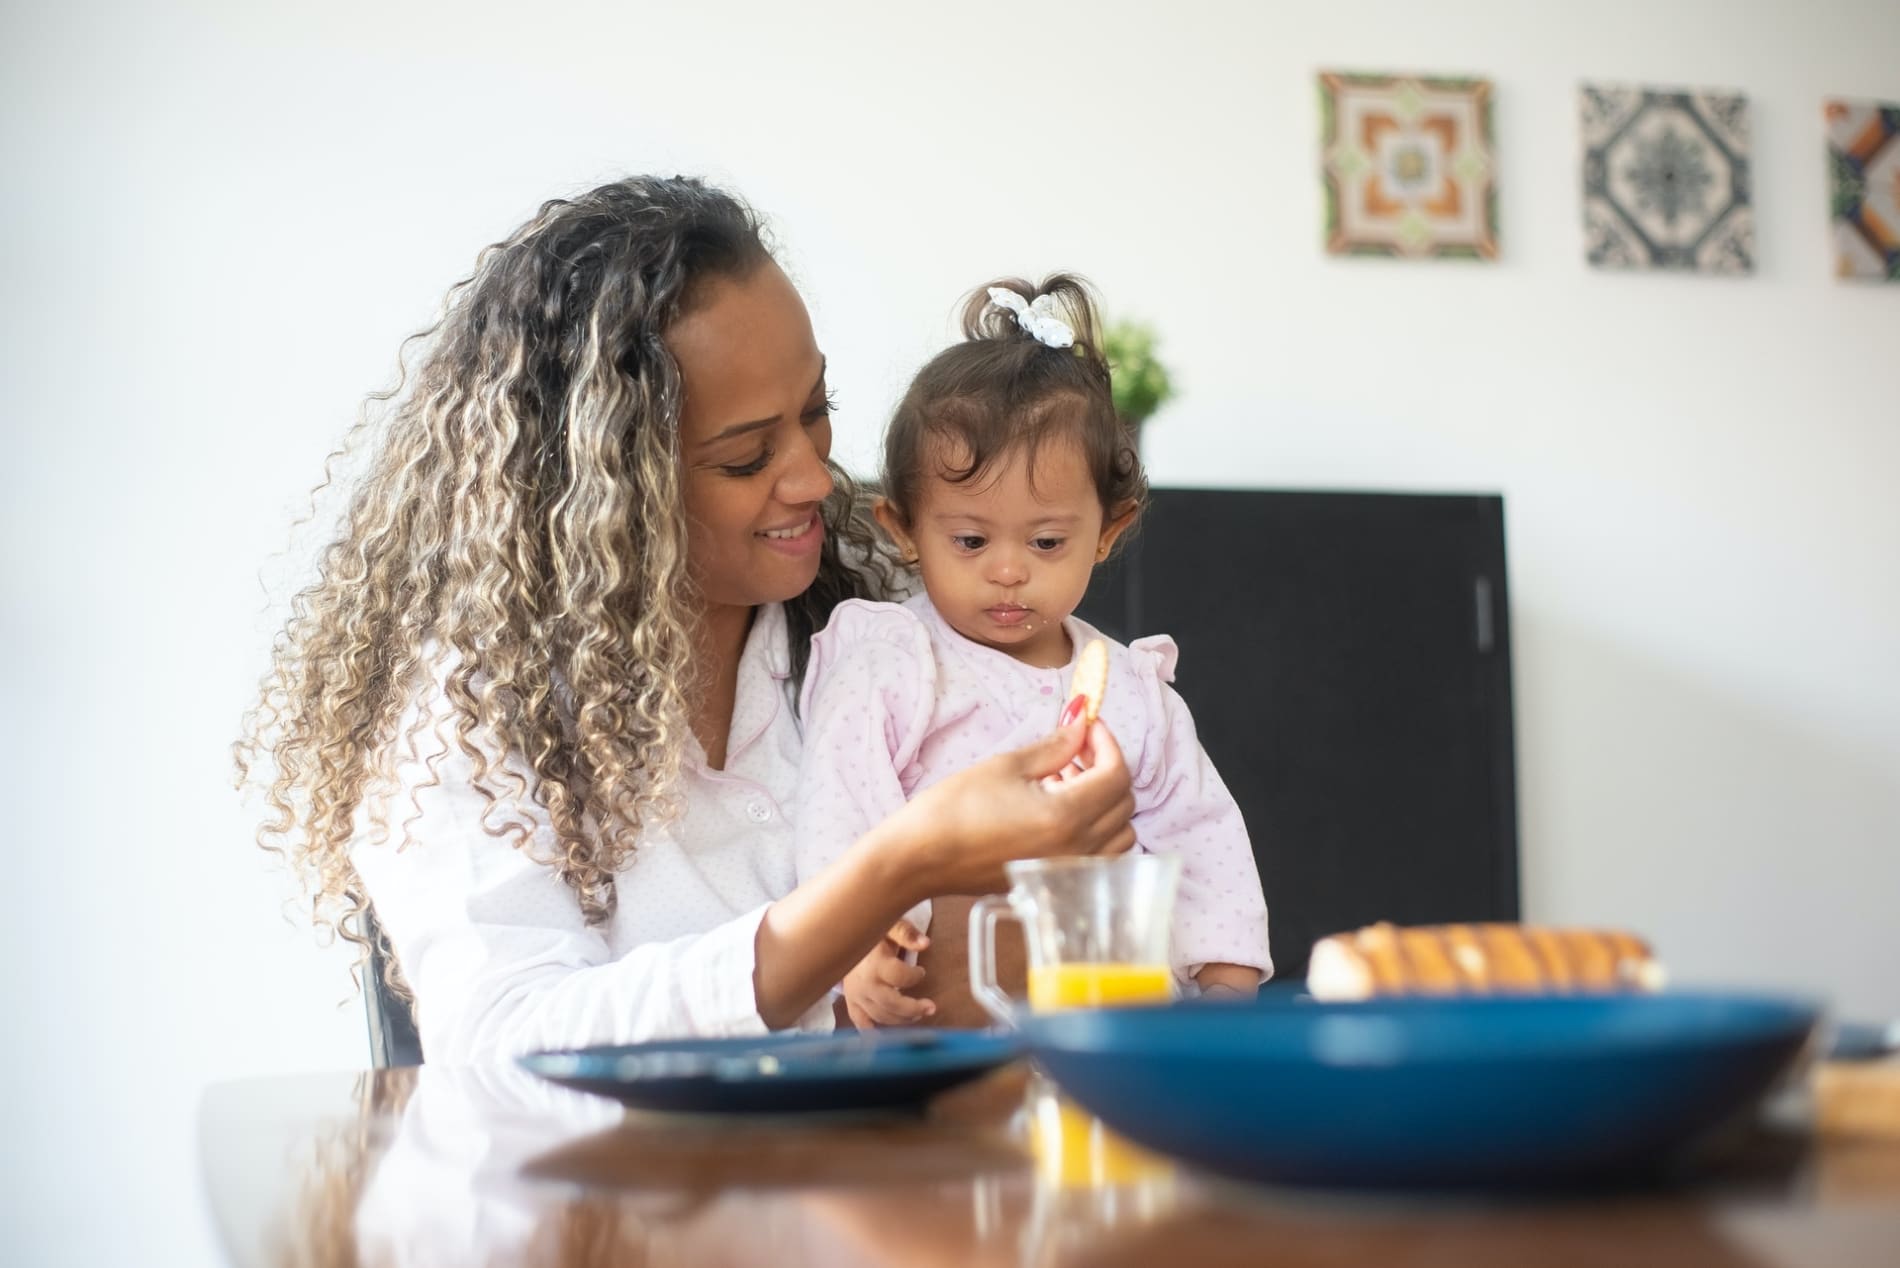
(824,409)
(1046,544)
(968,541)
(749,468)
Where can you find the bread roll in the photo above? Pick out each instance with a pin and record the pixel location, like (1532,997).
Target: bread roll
(1494,959)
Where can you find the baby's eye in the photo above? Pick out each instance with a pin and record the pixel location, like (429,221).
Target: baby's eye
(1047,544)
(968,541)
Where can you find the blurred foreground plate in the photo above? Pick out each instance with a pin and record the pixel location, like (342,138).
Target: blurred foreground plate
(780,1074)
(1427,1093)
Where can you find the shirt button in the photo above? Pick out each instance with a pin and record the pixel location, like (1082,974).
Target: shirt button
(1048,690)
(758,811)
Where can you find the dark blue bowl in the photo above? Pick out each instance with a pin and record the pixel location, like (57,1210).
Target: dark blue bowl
(1427,1093)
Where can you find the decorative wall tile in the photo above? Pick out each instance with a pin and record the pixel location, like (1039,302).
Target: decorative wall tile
(1863,158)
(1408,166)
(1666,181)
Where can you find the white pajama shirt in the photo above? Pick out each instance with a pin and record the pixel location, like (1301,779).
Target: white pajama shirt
(492,941)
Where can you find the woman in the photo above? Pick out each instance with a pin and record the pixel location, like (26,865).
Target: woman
(536,709)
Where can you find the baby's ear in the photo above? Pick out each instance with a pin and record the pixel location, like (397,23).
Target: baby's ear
(894,527)
(1120,520)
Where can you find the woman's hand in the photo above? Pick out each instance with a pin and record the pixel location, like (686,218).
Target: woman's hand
(1066,795)
(951,839)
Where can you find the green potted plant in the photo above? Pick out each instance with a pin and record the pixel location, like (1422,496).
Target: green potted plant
(1140,383)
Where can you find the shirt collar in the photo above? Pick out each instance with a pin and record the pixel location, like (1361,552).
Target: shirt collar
(764,666)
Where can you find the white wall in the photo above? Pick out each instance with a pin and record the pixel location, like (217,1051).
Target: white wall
(220,219)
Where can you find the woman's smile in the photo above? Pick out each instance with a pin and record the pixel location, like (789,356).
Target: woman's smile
(755,433)
(800,539)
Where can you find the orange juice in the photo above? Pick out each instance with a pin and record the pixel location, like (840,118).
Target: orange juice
(1073,1150)
(1058,986)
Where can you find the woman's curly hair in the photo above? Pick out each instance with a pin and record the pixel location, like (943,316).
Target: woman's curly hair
(521,525)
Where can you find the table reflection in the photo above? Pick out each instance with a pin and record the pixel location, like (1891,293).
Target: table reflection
(442,1165)
(454,1166)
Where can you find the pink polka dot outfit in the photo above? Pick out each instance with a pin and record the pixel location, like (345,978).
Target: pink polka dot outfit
(896,700)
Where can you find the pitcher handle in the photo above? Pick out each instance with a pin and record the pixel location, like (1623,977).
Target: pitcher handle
(984,913)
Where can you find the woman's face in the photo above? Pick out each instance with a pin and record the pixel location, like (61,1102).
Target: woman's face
(755,430)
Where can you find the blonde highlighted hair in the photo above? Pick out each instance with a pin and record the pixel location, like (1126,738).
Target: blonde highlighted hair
(521,523)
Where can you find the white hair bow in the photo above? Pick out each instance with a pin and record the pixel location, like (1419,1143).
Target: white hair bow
(1039,318)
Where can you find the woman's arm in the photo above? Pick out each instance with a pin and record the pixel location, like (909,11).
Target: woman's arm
(952,839)
(494,944)
(502,962)
(499,956)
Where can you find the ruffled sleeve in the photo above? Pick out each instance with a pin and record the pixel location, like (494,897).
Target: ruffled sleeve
(869,694)
(1182,807)
(1161,654)
(1149,663)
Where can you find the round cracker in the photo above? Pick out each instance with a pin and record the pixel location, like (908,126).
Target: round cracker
(1091,678)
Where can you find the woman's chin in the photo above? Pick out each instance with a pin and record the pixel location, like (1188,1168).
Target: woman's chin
(782,579)
(771,578)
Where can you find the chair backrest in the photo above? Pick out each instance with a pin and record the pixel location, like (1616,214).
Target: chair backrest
(393,1039)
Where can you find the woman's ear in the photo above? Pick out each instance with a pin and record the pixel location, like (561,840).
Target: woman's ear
(1119,522)
(895,528)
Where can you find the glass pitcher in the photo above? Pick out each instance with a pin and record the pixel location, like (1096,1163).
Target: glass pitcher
(1097,930)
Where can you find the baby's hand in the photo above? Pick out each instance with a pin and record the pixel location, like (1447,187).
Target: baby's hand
(1228,981)
(874,991)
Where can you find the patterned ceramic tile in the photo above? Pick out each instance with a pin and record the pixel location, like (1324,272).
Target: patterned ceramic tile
(1863,158)
(1408,166)
(1666,180)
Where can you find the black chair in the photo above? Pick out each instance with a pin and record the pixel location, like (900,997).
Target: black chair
(393,1040)
(1347,657)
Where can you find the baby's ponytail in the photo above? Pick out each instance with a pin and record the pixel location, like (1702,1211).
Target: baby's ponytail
(1063,296)
(1030,366)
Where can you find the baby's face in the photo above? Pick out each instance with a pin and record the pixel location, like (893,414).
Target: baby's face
(1006,558)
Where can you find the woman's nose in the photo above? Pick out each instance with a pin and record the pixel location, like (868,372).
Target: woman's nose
(806,478)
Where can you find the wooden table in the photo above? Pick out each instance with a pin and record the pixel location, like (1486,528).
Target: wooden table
(441,1166)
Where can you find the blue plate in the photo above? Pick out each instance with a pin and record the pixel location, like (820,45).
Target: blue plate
(780,1074)
(1427,1093)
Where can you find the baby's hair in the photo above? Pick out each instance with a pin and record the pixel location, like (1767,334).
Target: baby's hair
(1002,390)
